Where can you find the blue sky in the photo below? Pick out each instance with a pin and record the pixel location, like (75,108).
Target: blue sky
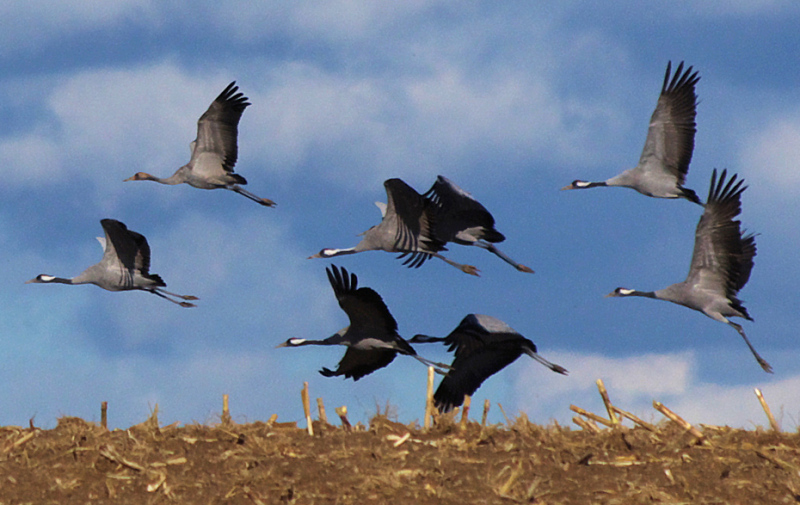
(510,101)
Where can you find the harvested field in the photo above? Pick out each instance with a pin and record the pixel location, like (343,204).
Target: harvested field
(455,461)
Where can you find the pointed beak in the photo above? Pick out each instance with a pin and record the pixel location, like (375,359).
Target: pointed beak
(31,281)
(314,256)
(611,295)
(282,344)
(568,186)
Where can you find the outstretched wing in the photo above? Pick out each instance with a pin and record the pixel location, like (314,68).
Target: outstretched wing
(357,363)
(218,127)
(670,137)
(483,345)
(723,256)
(364,307)
(128,251)
(411,216)
(468,372)
(457,210)
(120,247)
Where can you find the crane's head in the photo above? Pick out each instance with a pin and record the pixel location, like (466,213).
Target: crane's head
(579,184)
(292,342)
(41,278)
(576,184)
(621,292)
(139,176)
(325,253)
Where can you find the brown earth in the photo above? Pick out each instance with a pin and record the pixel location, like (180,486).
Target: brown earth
(260,463)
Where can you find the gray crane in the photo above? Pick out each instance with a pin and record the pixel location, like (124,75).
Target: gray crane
(721,262)
(371,338)
(125,266)
(215,150)
(406,228)
(667,152)
(462,219)
(483,346)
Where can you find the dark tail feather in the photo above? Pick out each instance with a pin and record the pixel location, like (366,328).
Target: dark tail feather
(690,195)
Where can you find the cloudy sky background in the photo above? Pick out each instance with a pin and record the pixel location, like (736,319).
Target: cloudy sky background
(511,101)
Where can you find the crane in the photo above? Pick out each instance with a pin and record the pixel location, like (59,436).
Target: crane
(125,266)
(462,219)
(483,346)
(721,262)
(371,338)
(406,228)
(214,151)
(667,152)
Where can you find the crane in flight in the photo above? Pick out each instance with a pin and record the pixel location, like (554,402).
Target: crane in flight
(125,266)
(215,150)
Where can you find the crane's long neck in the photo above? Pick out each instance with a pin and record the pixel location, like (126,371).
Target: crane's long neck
(171,180)
(334,339)
(644,294)
(330,253)
(634,292)
(425,339)
(176,178)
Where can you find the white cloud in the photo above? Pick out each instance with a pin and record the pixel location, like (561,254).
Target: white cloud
(633,384)
(106,124)
(773,154)
(376,129)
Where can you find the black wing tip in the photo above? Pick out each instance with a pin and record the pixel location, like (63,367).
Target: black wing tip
(680,79)
(447,401)
(721,190)
(341,280)
(231,95)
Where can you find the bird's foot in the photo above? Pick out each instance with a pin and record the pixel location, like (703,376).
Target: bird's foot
(766,366)
(187,304)
(189,297)
(523,268)
(267,202)
(469,269)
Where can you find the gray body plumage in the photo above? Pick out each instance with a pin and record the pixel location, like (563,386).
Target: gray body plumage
(215,150)
(125,265)
(406,228)
(462,219)
(667,153)
(483,345)
(721,262)
(371,338)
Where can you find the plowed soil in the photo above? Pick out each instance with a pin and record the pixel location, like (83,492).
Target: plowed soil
(388,462)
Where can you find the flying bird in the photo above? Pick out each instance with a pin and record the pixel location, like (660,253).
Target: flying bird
(721,262)
(462,219)
(125,266)
(483,346)
(371,338)
(215,150)
(667,152)
(406,228)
